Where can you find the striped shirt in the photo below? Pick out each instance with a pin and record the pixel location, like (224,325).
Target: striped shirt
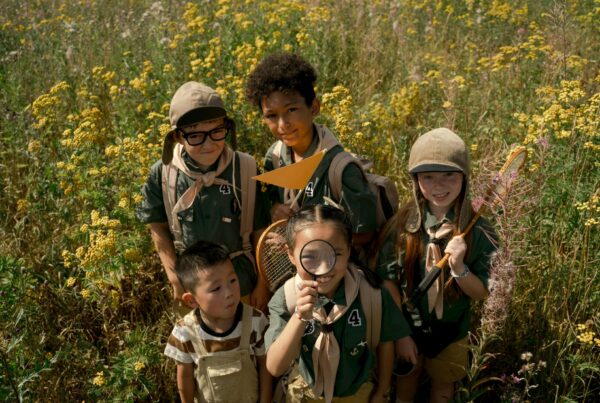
(179,346)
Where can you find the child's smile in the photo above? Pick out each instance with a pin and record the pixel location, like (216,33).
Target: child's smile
(290,119)
(440,189)
(327,283)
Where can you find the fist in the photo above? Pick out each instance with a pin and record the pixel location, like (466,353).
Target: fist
(457,248)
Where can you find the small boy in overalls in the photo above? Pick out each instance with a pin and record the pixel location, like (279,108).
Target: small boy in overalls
(218,346)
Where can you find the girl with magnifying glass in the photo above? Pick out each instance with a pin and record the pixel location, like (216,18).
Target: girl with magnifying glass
(326,334)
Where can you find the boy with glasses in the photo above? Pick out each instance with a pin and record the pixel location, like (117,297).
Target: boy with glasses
(200,190)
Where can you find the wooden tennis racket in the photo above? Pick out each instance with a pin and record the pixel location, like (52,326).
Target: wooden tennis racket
(272,259)
(497,190)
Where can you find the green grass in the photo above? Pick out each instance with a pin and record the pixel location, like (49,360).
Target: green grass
(85,305)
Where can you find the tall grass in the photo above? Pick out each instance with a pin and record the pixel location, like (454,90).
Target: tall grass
(85,307)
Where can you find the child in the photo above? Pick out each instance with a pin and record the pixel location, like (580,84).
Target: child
(334,357)
(282,87)
(206,180)
(413,240)
(218,346)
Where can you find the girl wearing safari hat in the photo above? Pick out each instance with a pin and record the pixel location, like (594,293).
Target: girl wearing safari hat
(412,242)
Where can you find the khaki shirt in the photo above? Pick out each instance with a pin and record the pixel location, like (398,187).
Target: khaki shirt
(214,216)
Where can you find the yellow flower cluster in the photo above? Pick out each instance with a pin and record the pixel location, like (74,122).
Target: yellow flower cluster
(592,207)
(99,379)
(587,335)
(138,366)
(46,108)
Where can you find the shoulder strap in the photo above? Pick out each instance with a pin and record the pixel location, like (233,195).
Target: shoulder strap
(336,170)
(248,188)
(169,191)
(276,155)
(247,315)
(289,289)
(370,299)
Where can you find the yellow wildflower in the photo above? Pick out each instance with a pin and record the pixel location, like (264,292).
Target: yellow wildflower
(70,282)
(99,379)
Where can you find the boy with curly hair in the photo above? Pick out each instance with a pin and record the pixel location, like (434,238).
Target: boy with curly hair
(282,87)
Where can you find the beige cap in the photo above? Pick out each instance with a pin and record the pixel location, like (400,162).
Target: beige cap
(193,102)
(439,150)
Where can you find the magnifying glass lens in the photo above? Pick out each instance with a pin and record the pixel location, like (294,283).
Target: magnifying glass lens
(317,257)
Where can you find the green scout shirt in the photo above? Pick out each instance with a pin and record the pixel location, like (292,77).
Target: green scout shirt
(483,245)
(215,214)
(350,331)
(358,200)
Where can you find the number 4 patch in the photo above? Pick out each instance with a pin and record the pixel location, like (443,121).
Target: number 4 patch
(354,318)
(225,189)
(310,189)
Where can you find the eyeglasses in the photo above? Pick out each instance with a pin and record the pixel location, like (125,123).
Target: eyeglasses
(198,138)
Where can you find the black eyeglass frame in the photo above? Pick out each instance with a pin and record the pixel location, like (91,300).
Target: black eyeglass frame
(206,134)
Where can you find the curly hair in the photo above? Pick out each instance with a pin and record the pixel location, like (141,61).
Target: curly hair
(283,72)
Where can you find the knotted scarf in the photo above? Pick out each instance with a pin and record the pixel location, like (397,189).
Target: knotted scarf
(326,141)
(201,179)
(326,351)
(435,294)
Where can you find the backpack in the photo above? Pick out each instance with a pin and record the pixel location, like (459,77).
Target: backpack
(248,169)
(382,187)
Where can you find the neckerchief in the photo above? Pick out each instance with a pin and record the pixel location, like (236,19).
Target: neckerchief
(201,179)
(435,294)
(326,140)
(326,351)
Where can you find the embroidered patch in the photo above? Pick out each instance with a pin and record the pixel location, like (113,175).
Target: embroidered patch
(225,189)
(310,189)
(309,328)
(354,318)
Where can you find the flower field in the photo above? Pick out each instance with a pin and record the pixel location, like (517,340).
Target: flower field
(85,308)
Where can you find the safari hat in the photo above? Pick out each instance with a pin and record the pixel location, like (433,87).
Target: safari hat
(439,150)
(193,102)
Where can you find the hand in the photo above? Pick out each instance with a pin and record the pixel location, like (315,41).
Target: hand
(306,296)
(457,248)
(280,211)
(378,397)
(406,349)
(259,297)
(177,288)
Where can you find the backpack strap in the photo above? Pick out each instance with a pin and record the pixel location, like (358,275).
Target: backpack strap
(169,191)
(276,155)
(247,170)
(370,298)
(336,169)
(289,288)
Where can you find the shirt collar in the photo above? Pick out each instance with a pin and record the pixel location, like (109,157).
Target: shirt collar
(431,221)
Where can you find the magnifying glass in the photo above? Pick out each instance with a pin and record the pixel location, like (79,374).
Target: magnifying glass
(317,257)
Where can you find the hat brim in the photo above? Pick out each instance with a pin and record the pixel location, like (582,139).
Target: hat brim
(435,168)
(201,115)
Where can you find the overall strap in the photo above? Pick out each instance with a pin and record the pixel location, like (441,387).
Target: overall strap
(246,327)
